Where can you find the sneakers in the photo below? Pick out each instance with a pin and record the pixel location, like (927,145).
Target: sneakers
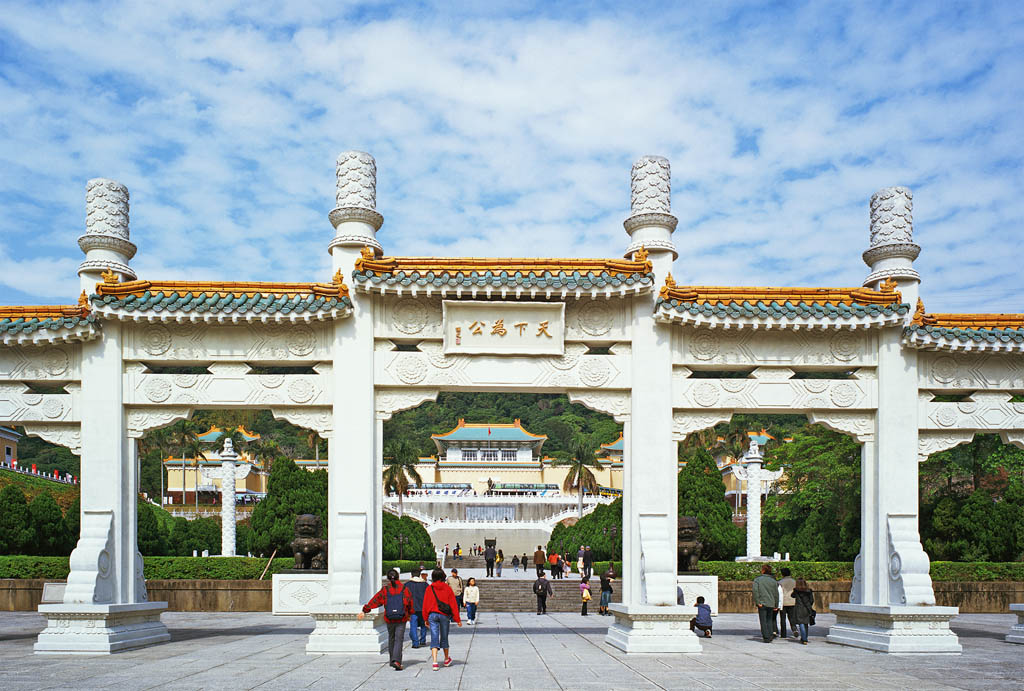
(448,662)
(435,667)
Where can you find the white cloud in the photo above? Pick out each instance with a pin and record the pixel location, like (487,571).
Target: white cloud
(513,135)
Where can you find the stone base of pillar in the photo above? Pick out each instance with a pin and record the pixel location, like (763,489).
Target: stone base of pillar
(900,630)
(699,584)
(652,629)
(338,630)
(80,629)
(1016,634)
(298,594)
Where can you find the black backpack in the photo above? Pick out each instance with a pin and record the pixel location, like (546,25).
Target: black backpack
(540,587)
(394,605)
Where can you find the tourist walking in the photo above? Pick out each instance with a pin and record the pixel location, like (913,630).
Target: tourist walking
(539,558)
(515,563)
(579,560)
(542,589)
(471,595)
(489,555)
(458,551)
(766,597)
(524,561)
(585,594)
(803,609)
(566,568)
(703,619)
(440,608)
(788,603)
(397,604)
(553,565)
(588,562)
(456,583)
(498,561)
(417,586)
(606,592)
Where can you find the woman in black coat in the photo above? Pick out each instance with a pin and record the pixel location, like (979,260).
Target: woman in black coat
(803,612)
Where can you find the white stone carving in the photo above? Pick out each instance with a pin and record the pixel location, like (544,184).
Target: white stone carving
(91,580)
(141,420)
(157,390)
(19,405)
(301,390)
(411,368)
(651,186)
(929,442)
(301,340)
(106,208)
(595,317)
(390,401)
(983,410)
(571,357)
(156,339)
(685,423)
(68,436)
(706,393)
(970,371)
(910,582)
(892,218)
(843,394)
(771,388)
(410,315)
(845,346)
(296,594)
(756,477)
(356,173)
(318,419)
(615,403)
(703,346)
(228,472)
(595,370)
(47,363)
(858,425)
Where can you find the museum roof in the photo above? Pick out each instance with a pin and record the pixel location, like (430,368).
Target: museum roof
(221,301)
(945,331)
(489,432)
(47,323)
(474,275)
(215,433)
(616,445)
(781,307)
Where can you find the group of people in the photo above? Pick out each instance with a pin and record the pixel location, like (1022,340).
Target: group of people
(561,564)
(778,601)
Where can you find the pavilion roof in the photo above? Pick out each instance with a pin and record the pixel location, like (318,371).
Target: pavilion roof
(502,275)
(47,323)
(214,300)
(489,432)
(946,331)
(616,445)
(781,307)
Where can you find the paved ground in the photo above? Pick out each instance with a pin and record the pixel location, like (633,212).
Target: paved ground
(516,651)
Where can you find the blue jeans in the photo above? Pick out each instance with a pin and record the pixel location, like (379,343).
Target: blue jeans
(417,629)
(802,628)
(606,598)
(471,611)
(439,624)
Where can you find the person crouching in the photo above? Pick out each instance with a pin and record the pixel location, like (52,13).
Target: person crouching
(703,619)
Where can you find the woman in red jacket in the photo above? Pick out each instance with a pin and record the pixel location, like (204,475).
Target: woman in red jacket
(397,603)
(439,609)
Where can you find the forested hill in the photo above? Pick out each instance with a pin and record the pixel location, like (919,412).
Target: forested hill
(550,414)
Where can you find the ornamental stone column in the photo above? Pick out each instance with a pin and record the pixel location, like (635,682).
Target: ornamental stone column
(755,475)
(228,473)
(648,620)
(354,500)
(106,241)
(892,602)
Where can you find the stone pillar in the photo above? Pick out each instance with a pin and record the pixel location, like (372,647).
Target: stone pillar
(1016,634)
(755,475)
(354,477)
(648,620)
(228,473)
(892,604)
(105,606)
(106,241)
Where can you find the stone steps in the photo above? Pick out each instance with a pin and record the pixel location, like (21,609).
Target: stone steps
(517,595)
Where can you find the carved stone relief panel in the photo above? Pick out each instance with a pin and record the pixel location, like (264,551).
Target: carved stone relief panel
(390,401)
(772,388)
(715,347)
(983,410)
(141,420)
(930,441)
(860,425)
(253,342)
(228,384)
(66,435)
(430,366)
(614,403)
(597,319)
(686,422)
(40,363)
(320,419)
(958,371)
(407,317)
(18,404)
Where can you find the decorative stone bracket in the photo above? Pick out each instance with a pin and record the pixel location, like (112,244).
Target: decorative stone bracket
(614,403)
(142,420)
(387,402)
(347,553)
(910,582)
(319,419)
(686,422)
(91,580)
(68,436)
(657,560)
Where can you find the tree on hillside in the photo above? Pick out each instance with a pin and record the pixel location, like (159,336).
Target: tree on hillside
(400,470)
(579,478)
(154,447)
(16,534)
(816,514)
(976,527)
(50,537)
(151,537)
(702,494)
(417,545)
(984,457)
(601,530)
(291,491)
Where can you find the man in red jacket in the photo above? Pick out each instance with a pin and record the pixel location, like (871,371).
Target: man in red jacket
(397,603)
(440,608)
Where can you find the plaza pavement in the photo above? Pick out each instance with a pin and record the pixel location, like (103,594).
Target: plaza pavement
(505,651)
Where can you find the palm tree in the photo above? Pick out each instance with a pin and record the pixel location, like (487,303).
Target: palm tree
(400,468)
(266,452)
(157,441)
(184,437)
(313,439)
(580,477)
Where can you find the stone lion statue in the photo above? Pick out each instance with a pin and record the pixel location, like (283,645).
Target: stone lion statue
(689,545)
(309,548)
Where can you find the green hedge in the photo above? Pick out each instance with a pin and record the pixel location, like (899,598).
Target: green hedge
(242,568)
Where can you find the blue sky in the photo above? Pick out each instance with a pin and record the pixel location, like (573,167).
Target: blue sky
(511,132)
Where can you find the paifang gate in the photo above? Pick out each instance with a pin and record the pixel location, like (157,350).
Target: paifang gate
(385,333)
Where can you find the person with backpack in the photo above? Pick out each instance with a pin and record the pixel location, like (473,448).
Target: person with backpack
(397,603)
(440,609)
(606,592)
(417,586)
(585,594)
(542,589)
(803,610)
(471,595)
(515,563)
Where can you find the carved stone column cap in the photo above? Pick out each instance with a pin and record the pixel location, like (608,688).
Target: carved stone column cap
(356,180)
(106,208)
(651,186)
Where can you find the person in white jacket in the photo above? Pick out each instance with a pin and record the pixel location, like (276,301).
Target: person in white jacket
(471,596)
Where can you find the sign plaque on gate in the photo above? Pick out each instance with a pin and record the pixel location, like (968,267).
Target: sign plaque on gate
(504,328)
